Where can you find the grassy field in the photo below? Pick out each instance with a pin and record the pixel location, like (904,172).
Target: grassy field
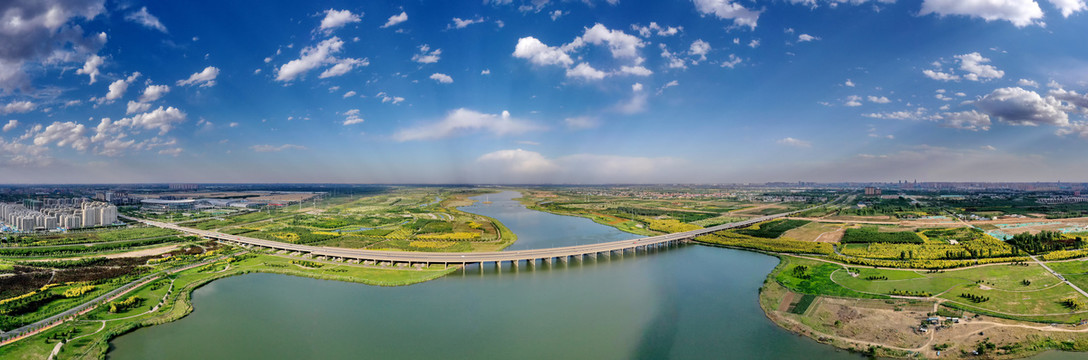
(997,277)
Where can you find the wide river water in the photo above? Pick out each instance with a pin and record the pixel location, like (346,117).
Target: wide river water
(688,302)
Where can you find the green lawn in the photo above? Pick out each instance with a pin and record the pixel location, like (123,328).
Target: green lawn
(1000,277)
(817,281)
(1038,302)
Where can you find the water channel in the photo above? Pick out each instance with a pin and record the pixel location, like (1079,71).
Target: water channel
(688,302)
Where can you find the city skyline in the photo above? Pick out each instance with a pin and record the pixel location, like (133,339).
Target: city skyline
(543,92)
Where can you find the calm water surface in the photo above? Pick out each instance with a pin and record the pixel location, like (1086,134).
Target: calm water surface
(536,229)
(690,302)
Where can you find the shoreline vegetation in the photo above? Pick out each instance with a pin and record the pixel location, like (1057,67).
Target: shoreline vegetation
(883,290)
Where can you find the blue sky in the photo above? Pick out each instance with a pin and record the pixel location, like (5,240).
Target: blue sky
(703,91)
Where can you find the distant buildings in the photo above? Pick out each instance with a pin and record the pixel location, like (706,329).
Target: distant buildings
(52,214)
(872,191)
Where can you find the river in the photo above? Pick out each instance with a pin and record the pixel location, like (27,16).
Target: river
(688,302)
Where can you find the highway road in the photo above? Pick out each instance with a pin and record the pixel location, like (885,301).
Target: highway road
(465,258)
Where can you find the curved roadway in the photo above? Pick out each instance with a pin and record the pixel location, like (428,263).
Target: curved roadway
(465,258)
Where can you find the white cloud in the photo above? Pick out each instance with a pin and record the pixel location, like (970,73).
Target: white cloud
(1020,13)
(39,34)
(520,162)
(17,107)
(154,92)
(338,18)
(396,19)
(349,94)
(977,69)
(64,134)
(386,98)
(1068,7)
(637,102)
(853,101)
(462,121)
(754,43)
(352,117)
(729,10)
(806,38)
(1017,106)
(938,75)
(635,70)
(426,56)
(879,99)
(442,78)
(161,119)
(797,143)
(966,120)
(118,88)
(557,13)
(585,72)
(582,122)
(145,18)
(90,67)
(310,58)
(619,43)
(459,23)
(674,61)
(233,125)
(538,53)
(849,83)
(273,148)
(343,66)
(699,48)
(485,72)
(11,125)
(206,78)
(136,107)
(1026,82)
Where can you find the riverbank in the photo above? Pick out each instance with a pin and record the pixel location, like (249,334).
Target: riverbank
(90,336)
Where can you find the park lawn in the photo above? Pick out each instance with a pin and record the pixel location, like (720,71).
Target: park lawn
(1069,267)
(150,296)
(60,305)
(811,231)
(1038,302)
(897,280)
(819,280)
(1000,277)
(1080,280)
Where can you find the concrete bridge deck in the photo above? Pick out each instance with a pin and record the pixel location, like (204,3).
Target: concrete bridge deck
(447,258)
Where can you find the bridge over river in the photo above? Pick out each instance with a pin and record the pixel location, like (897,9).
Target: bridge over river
(410,258)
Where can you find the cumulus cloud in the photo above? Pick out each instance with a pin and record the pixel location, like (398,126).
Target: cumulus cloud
(977,69)
(343,66)
(274,148)
(426,55)
(538,53)
(145,18)
(310,58)
(11,125)
(852,101)
(461,121)
(386,98)
(1068,7)
(338,18)
(637,102)
(729,10)
(1017,106)
(205,78)
(90,67)
(17,107)
(154,92)
(699,48)
(64,134)
(646,31)
(797,143)
(136,107)
(396,19)
(442,78)
(352,117)
(585,72)
(39,33)
(849,83)
(635,70)
(939,75)
(879,99)
(1020,13)
(966,120)
(620,44)
(806,38)
(349,94)
(161,119)
(118,88)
